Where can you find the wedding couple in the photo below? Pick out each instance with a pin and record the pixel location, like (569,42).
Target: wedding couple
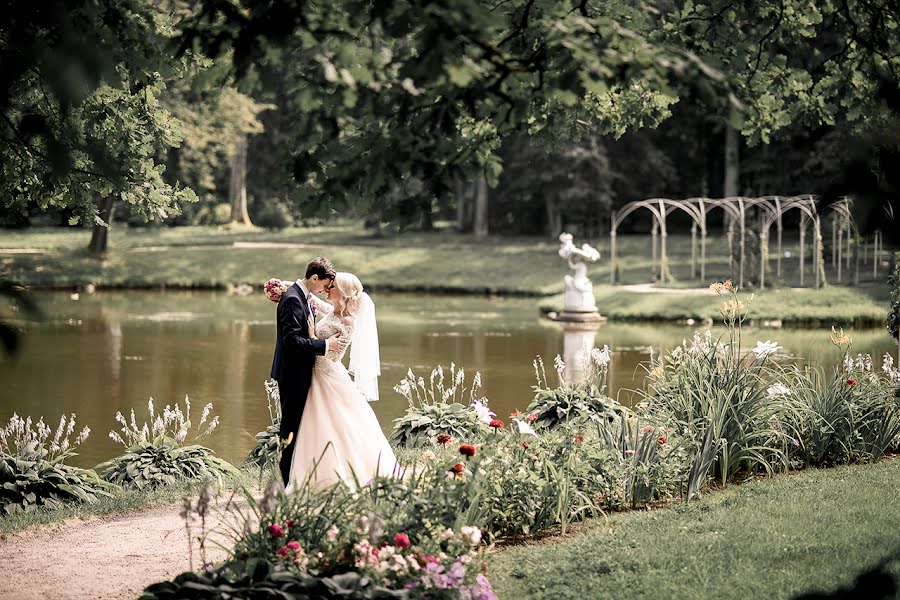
(328,430)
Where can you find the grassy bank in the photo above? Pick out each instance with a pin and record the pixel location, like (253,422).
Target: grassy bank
(122,502)
(193,257)
(813,530)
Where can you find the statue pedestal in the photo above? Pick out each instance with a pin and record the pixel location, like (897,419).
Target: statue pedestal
(578,340)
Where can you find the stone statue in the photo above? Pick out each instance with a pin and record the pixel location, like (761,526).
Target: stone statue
(579,289)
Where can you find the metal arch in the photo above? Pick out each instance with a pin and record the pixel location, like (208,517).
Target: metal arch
(657,208)
(773,209)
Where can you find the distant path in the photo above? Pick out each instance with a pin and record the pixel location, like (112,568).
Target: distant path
(649,288)
(102,557)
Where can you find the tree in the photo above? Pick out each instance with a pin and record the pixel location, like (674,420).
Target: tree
(392,92)
(81,120)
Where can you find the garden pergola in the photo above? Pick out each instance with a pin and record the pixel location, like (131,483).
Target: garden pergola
(770,209)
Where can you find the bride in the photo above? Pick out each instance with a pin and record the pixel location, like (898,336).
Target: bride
(340,438)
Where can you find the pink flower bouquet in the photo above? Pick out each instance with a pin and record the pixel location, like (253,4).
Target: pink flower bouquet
(274,288)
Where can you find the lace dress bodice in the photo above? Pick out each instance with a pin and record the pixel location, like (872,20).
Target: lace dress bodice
(331,363)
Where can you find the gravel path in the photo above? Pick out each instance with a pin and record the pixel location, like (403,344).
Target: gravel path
(102,557)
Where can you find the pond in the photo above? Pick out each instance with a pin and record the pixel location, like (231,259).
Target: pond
(112,351)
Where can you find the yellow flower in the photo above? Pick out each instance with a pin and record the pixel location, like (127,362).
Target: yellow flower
(838,338)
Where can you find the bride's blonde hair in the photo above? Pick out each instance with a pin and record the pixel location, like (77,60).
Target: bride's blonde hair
(351,289)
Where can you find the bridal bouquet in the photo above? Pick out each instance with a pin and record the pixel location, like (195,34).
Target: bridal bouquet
(274,288)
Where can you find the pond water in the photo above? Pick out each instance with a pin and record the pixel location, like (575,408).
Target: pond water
(111,351)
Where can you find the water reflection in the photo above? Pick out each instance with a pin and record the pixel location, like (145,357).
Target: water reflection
(111,351)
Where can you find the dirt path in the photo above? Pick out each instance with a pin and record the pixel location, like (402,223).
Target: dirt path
(102,557)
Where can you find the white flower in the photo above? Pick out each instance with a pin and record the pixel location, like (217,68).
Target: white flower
(777,389)
(446,535)
(559,364)
(524,427)
(428,455)
(332,533)
(482,411)
(470,534)
(600,357)
(764,349)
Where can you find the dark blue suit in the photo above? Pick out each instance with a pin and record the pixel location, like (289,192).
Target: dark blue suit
(295,355)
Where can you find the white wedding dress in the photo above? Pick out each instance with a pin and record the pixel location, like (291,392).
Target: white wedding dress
(340,438)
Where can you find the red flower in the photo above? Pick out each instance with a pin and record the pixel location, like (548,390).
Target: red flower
(497,423)
(283,551)
(458,468)
(661,439)
(444,439)
(514,415)
(290,523)
(401,540)
(578,438)
(293,545)
(313,309)
(525,445)
(851,382)
(467,450)
(275,530)
(532,418)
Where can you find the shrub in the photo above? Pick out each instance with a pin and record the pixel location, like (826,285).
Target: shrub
(32,471)
(853,415)
(711,393)
(437,409)
(156,454)
(261,578)
(580,401)
(264,453)
(272,215)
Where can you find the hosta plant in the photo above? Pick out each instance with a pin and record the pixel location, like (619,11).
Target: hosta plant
(582,400)
(440,408)
(264,453)
(32,468)
(156,453)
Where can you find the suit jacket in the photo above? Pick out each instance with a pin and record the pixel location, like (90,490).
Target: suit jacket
(295,355)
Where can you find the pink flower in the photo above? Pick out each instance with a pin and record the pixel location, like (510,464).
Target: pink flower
(293,545)
(283,551)
(290,523)
(401,540)
(532,418)
(661,439)
(274,289)
(647,428)
(275,530)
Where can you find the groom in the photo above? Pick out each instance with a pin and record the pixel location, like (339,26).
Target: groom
(296,351)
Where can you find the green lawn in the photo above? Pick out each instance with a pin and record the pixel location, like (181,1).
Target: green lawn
(197,257)
(812,530)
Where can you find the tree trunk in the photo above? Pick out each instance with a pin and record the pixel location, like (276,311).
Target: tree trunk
(463,212)
(732,162)
(480,221)
(100,234)
(237,191)
(554,218)
(427,216)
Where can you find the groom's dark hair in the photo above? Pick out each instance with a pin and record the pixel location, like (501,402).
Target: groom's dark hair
(320,266)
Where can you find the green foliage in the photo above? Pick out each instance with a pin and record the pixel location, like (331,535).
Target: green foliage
(156,454)
(32,469)
(893,316)
(580,401)
(82,117)
(850,416)
(265,452)
(164,462)
(388,111)
(258,578)
(273,215)
(9,333)
(434,410)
